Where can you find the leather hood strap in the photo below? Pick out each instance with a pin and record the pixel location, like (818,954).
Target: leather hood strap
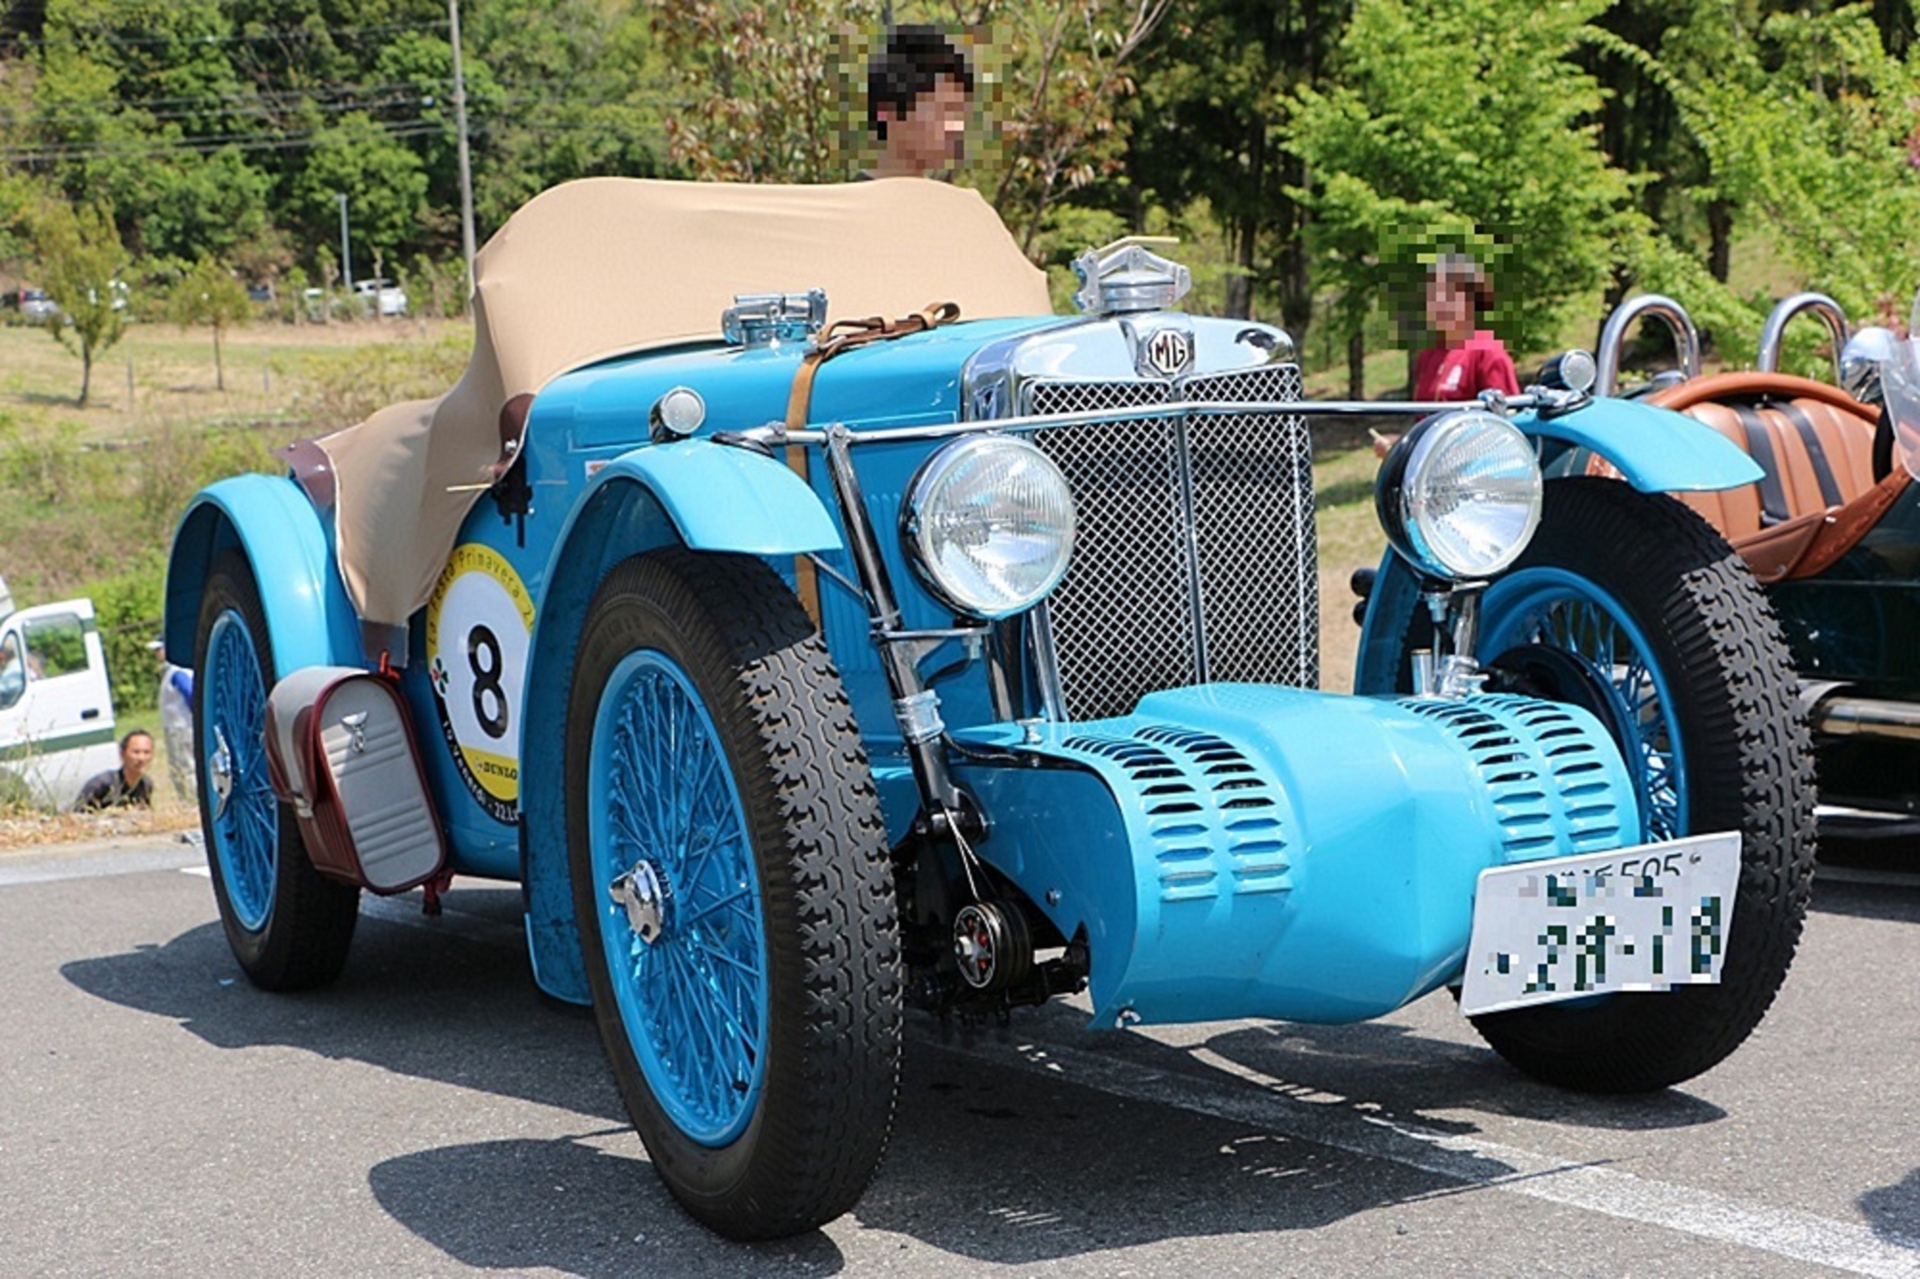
(844,335)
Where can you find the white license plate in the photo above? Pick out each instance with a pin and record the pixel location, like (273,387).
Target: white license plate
(1650,917)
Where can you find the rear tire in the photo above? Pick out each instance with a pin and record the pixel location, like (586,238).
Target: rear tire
(747,979)
(289,926)
(1630,605)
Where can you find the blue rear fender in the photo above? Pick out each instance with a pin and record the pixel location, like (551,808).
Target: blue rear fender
(1253,851)
(310,621)
(694,493)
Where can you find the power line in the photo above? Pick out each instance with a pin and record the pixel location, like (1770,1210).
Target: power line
(99,36)
(207,145)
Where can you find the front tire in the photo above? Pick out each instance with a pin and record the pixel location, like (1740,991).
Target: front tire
(730,876)
(289,926)
(1631,606)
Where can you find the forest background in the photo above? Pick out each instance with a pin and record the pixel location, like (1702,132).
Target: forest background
(158,158)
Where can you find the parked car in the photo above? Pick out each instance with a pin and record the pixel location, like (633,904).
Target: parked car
(804,674)
(56,703)
(1832,528)
(380,297)
(33,305)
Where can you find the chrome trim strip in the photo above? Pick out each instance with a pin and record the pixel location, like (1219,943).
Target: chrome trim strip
(777,433)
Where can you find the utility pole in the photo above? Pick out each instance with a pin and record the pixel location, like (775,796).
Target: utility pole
(346,246)
(460,130)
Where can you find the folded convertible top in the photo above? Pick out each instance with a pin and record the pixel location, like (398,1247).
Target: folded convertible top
(608,266)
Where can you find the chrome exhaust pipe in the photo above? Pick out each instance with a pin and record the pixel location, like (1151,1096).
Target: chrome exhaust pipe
(1829,710)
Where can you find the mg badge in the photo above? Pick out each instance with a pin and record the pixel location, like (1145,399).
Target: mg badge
(1170,352)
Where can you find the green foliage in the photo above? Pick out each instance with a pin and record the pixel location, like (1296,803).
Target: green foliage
(384,182)
(769,98)
(127,608)
(1809,128)
(80,260)
(1462,126)
(1212,128)
(209,295)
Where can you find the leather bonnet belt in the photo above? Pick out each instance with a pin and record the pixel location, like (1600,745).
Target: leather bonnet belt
(838,338)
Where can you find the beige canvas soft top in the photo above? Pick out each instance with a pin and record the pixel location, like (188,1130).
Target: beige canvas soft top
(606,266)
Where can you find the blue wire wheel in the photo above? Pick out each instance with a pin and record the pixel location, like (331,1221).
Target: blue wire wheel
(1558,609)
(674,874)
(243,821)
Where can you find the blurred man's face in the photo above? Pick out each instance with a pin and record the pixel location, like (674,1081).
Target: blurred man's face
(135,756)
(932,136)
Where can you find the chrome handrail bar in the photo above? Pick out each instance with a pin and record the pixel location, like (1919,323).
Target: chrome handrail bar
(1768,360)
(1686,338)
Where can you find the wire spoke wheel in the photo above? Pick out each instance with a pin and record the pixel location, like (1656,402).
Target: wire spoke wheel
(1561,636)
(731,880)
(289,926)
(694,996)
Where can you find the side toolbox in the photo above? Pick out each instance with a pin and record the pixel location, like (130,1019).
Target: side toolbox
(341,750)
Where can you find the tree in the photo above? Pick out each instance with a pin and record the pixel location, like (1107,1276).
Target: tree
(1068,67)
(1463,125)
(209,295)
(1212,126)
(384,182)
(80,261)
(771,95)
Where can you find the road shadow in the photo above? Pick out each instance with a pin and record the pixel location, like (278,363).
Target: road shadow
(1387,1071)
(992,1161)
(1893,902)
(573,1206)
(1894,1211)
(445,1008)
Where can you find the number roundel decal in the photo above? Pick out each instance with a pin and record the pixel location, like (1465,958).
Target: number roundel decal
(479,621)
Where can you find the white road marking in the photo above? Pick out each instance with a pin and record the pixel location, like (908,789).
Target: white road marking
(1275,1106)
(131,861)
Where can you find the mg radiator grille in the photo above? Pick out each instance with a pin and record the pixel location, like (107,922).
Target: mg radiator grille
(1195,560)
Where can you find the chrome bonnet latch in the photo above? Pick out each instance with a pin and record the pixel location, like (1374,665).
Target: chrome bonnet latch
(770,319)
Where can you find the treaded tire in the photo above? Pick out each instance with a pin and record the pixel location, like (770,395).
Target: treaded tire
(725,635)
(291,927)
(1748,767)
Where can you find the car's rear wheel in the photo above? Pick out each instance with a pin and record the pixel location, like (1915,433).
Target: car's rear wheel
(731,881)
(1631,606)
(289,926)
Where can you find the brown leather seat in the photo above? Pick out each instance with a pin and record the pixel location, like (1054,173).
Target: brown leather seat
(1815,443)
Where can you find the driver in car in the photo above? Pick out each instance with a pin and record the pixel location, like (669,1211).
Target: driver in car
(919,91)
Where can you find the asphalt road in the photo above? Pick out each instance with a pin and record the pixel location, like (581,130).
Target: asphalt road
(431,1115)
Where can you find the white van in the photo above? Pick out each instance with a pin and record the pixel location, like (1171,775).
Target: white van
(56,705)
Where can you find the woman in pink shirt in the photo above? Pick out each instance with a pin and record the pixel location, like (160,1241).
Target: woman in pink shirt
(1468,359)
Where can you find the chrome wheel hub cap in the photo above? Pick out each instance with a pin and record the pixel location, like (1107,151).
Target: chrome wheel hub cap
(221,772)
(644,894)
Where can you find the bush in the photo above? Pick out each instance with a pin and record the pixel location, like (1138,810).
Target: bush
(128,608)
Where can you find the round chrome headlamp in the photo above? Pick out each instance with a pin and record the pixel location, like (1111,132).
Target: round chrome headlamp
(988,525)
(1459,495)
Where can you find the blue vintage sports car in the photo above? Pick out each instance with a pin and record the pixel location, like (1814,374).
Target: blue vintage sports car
(817,628)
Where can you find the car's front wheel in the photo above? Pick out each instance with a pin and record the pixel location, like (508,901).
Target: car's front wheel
(1631,606)
(731,880)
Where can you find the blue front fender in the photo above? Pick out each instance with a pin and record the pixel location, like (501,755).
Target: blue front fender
(721,498)
(1656,449)
(706,496)
(310,621)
